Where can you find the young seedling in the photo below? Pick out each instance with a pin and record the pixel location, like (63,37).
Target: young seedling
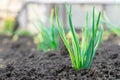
(7,28)
(48,37)
(81,54)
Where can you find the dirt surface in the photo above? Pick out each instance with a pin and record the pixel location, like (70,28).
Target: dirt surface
(21,61)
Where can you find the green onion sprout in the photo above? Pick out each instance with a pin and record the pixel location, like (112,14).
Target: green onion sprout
(81,53)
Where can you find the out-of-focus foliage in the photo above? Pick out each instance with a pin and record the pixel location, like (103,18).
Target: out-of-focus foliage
(8,26)
(47,39)
(112,27)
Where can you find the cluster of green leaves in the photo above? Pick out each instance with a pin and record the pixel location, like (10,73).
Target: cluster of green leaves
(112,27)
(81,54)
(48,38)
(9,25)
(7,28)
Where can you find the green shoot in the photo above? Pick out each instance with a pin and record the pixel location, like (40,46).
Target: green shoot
(7,28)
(48,38)
(81,53)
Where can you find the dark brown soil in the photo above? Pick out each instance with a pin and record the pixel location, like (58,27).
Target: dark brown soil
(21,61)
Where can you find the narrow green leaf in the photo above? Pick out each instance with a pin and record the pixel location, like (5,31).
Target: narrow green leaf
(67,44)
(97,23)
(75,40)
(98,42)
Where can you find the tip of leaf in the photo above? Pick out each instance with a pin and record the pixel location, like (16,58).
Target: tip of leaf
(52,12)
(56,10)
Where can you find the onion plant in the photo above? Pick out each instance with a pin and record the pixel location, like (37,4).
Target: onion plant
(81,53)
(48,38)
(7,28)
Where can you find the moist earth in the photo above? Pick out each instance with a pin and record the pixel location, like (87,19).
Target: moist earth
(21,61)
